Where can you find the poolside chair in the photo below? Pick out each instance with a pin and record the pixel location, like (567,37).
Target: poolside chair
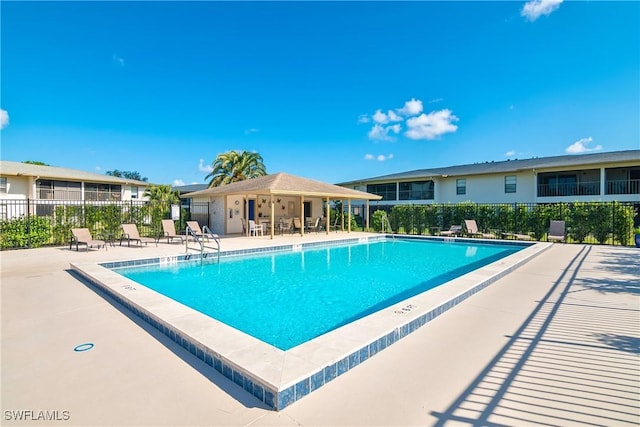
(556,231)
(130,234)
(517,236)
(336,224)
(472,230)
(454,230)
(169,231)
(313,225)
(297,225)
(198,233)
(254,228)
(285,225)
(82,236)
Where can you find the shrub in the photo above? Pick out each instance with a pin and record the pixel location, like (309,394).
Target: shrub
(23,232)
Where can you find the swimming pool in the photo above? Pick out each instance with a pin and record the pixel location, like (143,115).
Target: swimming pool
(280,377)
(288,298)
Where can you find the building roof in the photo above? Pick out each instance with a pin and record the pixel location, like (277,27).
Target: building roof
(8,168)
(511,166)
(285,185)
(189,188)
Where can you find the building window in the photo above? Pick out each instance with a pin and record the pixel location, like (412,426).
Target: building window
(3,185)
(418,190)
(461,186)
(134,192)
(387,191)
(58,190)
(510,184)
(102,192)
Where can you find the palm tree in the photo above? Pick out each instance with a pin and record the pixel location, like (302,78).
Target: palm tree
(162,194)
(234,166)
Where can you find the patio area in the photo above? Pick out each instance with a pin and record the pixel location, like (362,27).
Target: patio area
(556,342)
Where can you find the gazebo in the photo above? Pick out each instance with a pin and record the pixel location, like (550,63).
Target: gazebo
(272,196)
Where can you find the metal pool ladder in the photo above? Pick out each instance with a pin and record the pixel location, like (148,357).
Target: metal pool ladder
(200,240)
(387,225)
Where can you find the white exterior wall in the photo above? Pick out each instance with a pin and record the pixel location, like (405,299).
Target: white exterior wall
(487,189)
(17,187)
(226,213)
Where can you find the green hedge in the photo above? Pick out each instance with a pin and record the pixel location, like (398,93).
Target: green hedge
(595,222)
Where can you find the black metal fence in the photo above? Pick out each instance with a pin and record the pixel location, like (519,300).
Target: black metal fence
(32,223)
(28,223)
(610,223)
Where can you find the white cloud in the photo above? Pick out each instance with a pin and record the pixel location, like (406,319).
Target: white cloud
(4,118)
(379,157)
(252,130)
(433,101)
(119,61)
(381,133)
(204,168)
(411,108)
(580,146)
(510,153)
(178,182)
(380,117)
(364,118)
(432,125)
(533,9)
(98,168)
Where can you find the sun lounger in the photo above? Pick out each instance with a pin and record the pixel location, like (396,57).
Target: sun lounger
(517,236)
(556,232)
(472,230)
(193,229)
(454,230)
(169,231)
(130,234)
(82,236)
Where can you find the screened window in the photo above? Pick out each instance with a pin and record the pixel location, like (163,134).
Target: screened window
(59,190)
(510,184)
(3,185)
(461,186)
(102,192)
(134,192)
(418,190)
(387,191)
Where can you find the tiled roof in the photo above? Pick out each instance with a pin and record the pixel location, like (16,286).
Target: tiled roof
(511,166)
(8,168)
(285,184)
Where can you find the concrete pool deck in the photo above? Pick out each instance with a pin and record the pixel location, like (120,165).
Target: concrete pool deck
(554,342)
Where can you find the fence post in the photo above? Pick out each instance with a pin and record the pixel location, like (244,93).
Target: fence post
(29,223)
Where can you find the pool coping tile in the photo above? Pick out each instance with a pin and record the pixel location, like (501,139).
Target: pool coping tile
(276,377)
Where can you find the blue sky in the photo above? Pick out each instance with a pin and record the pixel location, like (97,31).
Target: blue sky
(334,91)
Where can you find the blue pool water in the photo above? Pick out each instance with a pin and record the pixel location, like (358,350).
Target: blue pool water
(288,298)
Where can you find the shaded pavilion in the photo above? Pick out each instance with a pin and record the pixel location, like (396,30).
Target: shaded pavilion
(271,190)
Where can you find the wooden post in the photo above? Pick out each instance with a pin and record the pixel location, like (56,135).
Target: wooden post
(327,219)
(273,216)
(302,215)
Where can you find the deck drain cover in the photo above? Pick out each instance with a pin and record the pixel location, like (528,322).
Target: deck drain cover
(83,347)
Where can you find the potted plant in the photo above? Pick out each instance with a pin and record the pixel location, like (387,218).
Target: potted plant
(637,236)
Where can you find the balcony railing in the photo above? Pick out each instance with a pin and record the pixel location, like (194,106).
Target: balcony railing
(631,186)
(574,189)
